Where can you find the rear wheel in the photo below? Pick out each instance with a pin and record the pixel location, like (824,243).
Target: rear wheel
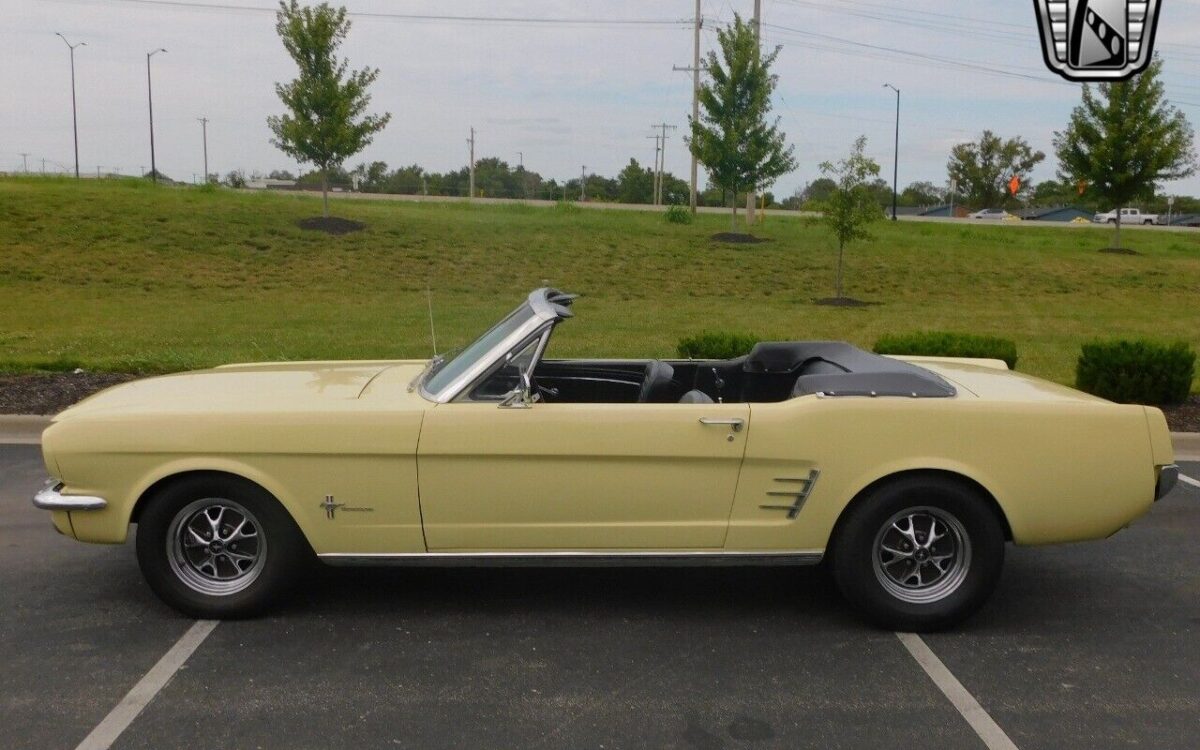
(215,547)
(918,554)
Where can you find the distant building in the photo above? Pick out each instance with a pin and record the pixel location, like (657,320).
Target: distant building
(267,184)
(1057,213)
(1185,220)
(959,212)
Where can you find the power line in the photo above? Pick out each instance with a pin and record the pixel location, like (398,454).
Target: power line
(965,64)
(543,20)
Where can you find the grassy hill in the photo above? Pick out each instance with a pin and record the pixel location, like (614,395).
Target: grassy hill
(127,277)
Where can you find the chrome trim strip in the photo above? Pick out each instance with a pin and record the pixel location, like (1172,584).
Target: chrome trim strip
(576,559)
(50,498)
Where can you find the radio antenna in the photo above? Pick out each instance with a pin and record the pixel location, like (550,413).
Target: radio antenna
(432,332)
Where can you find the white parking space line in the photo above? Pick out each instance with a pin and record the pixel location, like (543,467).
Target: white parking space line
(1188,480)
(983,724)
(119,719)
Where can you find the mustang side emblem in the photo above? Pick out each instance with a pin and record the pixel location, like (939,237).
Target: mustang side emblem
(800,493)
(331,507)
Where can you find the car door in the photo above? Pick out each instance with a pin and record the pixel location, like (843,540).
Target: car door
(579,476)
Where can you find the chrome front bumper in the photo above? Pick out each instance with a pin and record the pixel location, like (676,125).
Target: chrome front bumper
(50,498)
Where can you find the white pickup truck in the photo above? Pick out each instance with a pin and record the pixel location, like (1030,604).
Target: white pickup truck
(1128,216)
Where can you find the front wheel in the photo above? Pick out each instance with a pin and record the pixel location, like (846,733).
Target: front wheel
(919,554)
(215,547)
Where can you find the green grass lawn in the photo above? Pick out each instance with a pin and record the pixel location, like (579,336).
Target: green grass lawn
(124,276)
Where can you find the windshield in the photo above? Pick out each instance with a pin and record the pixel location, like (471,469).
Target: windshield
(446,372)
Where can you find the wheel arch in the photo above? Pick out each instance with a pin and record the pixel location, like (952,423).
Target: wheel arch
(169,477)
(943,474)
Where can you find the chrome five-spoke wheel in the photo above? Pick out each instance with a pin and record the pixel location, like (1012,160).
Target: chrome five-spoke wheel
(216,546)
(919,552)
(922,555)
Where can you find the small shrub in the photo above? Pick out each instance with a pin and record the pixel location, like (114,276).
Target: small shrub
(1138,372)
(677,214)
(716,345)
(943,344)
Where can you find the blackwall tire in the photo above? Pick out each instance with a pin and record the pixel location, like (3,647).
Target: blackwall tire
(918,554)
(214,547)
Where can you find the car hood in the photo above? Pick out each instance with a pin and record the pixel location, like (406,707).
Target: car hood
(243,388)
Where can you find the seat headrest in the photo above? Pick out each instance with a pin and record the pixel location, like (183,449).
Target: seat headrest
(696,397)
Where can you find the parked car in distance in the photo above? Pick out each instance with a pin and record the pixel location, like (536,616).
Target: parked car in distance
(907,474)
(1128,216)
(991,213)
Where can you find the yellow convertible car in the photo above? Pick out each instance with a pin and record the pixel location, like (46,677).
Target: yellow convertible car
(907,476)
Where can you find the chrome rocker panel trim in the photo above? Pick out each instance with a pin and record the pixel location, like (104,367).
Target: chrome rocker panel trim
(573,559)
(49,498)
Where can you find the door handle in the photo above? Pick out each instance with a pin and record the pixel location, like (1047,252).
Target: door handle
(734,423)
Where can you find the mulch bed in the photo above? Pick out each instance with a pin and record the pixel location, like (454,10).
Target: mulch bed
(843,302)
(1185,417)
(1119,251)
(331,225)
(50,393)
(736,238)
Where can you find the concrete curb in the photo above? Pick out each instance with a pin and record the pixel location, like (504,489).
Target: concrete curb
(1187,445)
(22,429)
(26,429)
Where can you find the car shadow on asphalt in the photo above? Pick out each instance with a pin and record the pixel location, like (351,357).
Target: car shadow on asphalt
(668,593)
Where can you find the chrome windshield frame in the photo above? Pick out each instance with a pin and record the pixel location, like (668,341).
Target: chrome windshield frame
(545,305)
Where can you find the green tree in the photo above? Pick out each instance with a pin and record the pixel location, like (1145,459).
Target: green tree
(1123,139)
(732,138)
(921,194)
(325,123)
(983,169)
(851,206)
(635,183)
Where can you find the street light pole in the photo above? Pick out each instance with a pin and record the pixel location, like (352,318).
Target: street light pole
(896,157)
(150,100)
(74,115)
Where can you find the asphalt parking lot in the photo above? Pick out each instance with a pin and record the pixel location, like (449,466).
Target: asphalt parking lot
(1091,646)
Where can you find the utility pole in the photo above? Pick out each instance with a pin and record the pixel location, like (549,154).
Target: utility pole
(750,193)
(25,161)
(471,141)
(204,130)
(695,71)
(520,160)
(74,115)
(150,100)
(657,150)
(896,153)
(583,184)
(661,164)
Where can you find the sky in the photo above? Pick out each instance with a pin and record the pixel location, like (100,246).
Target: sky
(565,95)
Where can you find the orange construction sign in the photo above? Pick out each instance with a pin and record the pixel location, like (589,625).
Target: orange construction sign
(1014,185)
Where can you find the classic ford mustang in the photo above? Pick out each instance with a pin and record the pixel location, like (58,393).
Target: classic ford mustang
(906,475)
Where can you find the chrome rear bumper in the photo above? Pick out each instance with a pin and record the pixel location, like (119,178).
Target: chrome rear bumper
(1168,476)
(51,498)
